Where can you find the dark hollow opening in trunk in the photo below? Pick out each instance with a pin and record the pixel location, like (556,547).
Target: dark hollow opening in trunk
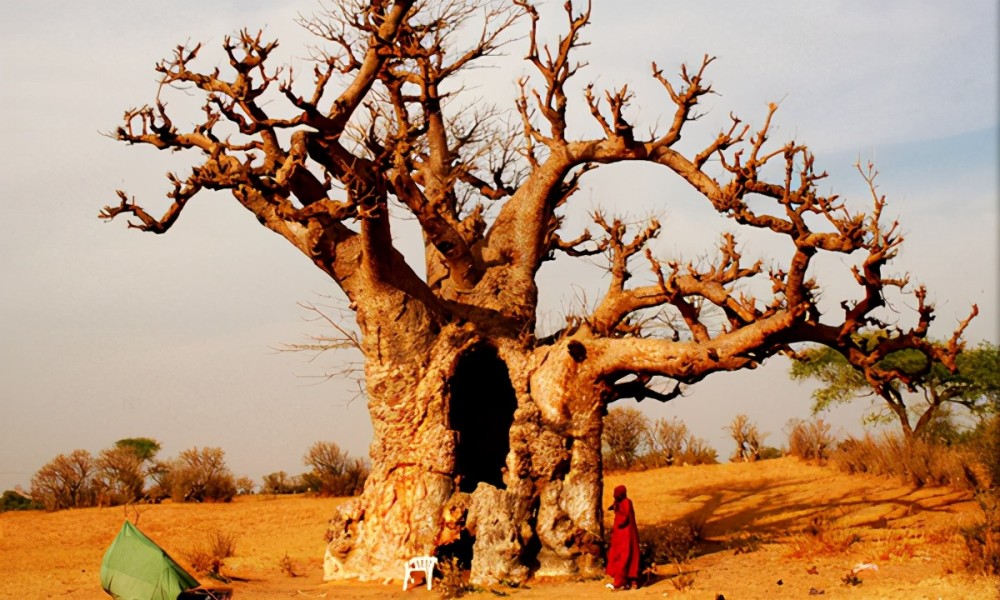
(481,412)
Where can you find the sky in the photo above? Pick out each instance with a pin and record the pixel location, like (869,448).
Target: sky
(110,333)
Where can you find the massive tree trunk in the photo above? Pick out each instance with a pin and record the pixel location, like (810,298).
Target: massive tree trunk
(485,448)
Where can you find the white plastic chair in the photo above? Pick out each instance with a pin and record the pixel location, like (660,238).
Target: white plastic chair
(418,564)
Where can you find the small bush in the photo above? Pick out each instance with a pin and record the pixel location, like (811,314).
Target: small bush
(333,472)
(15,500)
(769,453)
(745,542)
(982,540)
(245,486)
(624,436)
(810,440)
(210,558)
(698,452)
(914,461)
(670,444)
(287,566)
(820,538)
(452,581)
(748,439)
(280,482)
(670,543)
(198,475)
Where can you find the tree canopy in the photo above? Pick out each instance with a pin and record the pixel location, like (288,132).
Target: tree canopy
(928,386)
(455,367)
(144,448)
(381,126)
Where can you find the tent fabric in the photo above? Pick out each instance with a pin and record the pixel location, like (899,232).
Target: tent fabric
(135,568)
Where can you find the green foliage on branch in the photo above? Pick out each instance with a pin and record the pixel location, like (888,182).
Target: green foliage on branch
(15,500)
(145,448)
(973,385)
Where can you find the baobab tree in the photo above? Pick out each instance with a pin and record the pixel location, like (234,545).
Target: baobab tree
(485,432)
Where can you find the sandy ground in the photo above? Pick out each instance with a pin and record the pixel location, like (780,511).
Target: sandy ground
(805,528)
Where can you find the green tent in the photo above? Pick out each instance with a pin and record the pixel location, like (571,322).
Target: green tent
(135,568)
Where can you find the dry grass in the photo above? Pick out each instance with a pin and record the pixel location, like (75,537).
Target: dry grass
(47,555)
(822,539)
(913,536)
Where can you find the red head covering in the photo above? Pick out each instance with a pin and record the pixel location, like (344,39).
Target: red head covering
(619,493)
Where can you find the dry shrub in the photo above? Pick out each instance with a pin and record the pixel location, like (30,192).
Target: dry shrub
(745,542)
(820,538)
(810,440)
(669,543)
(631,443)
(698,452)
(333,472)
(670,444)
(452,582)
(674,543)
(682,580)
(210,557)
(625,432)
(974,465)
(198,475)
(287,566)
(914,461)
(982,540)
(748,439)
(910,544)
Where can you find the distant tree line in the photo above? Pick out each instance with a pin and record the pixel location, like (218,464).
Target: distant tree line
(130,472)
(631,441)
(332,473)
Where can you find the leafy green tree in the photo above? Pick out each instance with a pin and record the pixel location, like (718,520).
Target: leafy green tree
(145,448)
(16,500)
(933,387)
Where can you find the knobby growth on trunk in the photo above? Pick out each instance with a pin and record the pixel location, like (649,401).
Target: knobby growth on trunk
(486,436)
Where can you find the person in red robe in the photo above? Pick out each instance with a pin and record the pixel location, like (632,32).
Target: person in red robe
(623,553)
